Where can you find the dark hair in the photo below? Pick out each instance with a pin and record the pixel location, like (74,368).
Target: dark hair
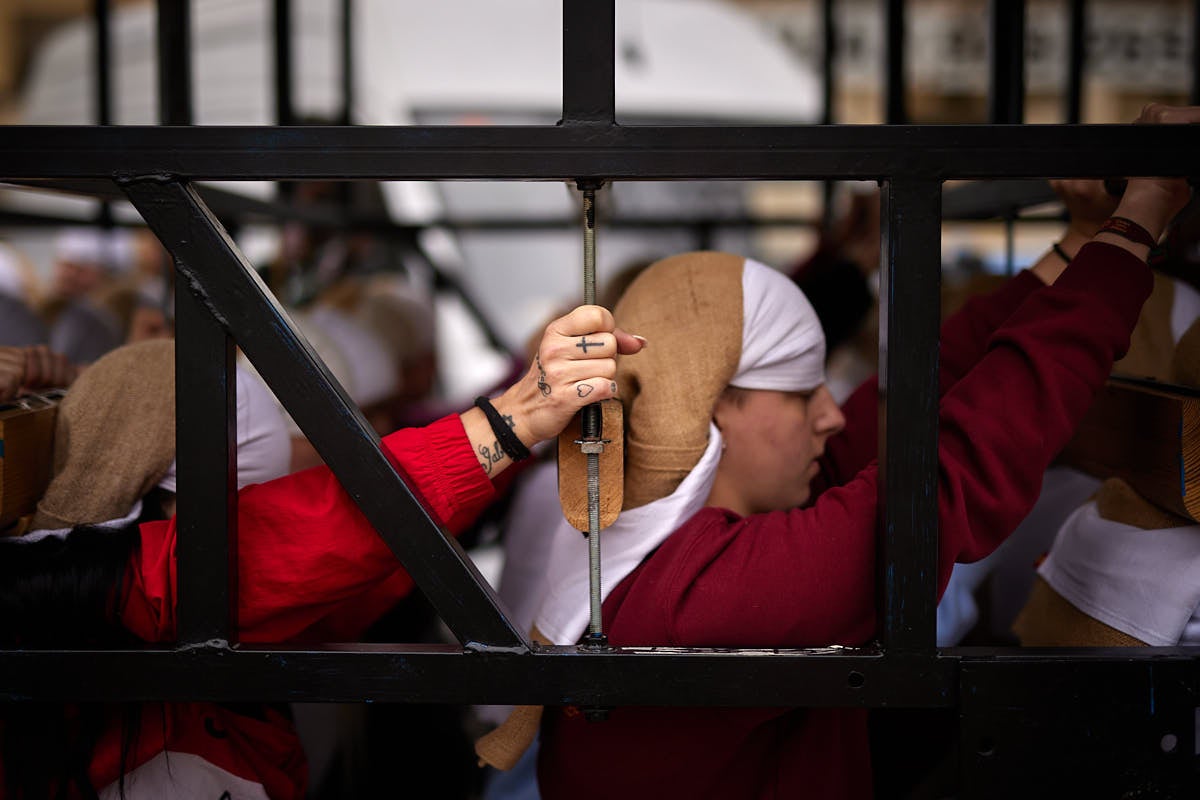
(63,592)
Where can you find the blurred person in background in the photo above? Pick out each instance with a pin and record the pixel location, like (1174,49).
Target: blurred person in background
(20,326)
(85,266)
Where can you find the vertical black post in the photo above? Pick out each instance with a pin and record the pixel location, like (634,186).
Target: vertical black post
(100,10)
(1076,54)
(347,58)
(206,456)
(895,112)
(908,383)
(589,62)
(1195,93)
(1006,97)
(284,109)
(103,85)
(174,62)
(828,89)
(828,53)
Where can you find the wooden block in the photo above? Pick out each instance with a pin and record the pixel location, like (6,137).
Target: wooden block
(572,469)
(26,454)
(1149,436)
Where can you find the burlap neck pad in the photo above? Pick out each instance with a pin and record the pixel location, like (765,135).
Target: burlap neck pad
(1152,342)
(114,438)
(689,307)
(1118,502)
(1049,620)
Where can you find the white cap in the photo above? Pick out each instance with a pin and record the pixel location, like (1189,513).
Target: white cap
(372,369)
(263,446)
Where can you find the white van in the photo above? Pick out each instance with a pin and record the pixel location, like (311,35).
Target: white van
(462,62)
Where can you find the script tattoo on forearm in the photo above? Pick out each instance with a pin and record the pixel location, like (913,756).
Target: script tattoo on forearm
(543,387)
(491,456)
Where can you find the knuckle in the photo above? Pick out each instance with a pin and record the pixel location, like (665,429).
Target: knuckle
(593,318)
(605,367)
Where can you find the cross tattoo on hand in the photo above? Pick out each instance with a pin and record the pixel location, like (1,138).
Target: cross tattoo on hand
(585,344)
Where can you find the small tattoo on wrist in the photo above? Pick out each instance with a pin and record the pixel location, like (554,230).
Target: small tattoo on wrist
(584,389)
(509,420)
(543,387)
(491,456)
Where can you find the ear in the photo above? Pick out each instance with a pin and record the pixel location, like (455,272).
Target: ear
(721,410)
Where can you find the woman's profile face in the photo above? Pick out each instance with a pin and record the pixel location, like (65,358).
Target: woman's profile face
(772,442)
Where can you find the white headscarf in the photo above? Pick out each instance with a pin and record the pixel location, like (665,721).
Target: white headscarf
(783,348)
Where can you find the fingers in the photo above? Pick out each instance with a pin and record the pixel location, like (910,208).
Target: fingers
(45,368)
(588,332)
(36,365)
(1160,114)
(12,371)
(579,348)
(594,390)
(629,343)
(583,320)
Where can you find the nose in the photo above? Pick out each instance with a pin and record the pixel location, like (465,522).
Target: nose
(827,417)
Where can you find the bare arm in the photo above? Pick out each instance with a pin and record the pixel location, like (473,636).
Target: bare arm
(575,365)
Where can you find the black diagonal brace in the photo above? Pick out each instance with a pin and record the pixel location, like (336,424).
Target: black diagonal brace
(218,273)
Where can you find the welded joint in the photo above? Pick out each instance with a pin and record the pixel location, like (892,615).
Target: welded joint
(123,179)
(210,645)
(480,647)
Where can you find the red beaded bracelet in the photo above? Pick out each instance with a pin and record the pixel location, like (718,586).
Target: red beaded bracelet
(1128,229)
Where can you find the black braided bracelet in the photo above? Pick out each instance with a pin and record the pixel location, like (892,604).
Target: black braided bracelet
(510,443)
(1058,251)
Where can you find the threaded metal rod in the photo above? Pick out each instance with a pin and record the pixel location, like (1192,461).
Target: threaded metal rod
(592,417)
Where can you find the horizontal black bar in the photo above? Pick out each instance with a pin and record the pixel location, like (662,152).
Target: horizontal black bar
(552,675)
(445,674)
(866,152)
(1122,727)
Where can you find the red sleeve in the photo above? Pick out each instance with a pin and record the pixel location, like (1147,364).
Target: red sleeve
(963,341)
(807,576)
(306,555)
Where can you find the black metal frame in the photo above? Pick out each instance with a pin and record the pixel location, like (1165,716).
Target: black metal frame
(219,299)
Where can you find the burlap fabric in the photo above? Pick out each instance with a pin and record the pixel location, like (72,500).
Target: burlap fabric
(670,390)
(114,438)
(1048,620)
(1152,343)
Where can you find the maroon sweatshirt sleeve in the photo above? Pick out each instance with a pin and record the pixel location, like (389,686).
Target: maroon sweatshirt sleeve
(805,577)
(963,341)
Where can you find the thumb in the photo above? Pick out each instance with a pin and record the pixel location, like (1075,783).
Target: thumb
(629,343)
